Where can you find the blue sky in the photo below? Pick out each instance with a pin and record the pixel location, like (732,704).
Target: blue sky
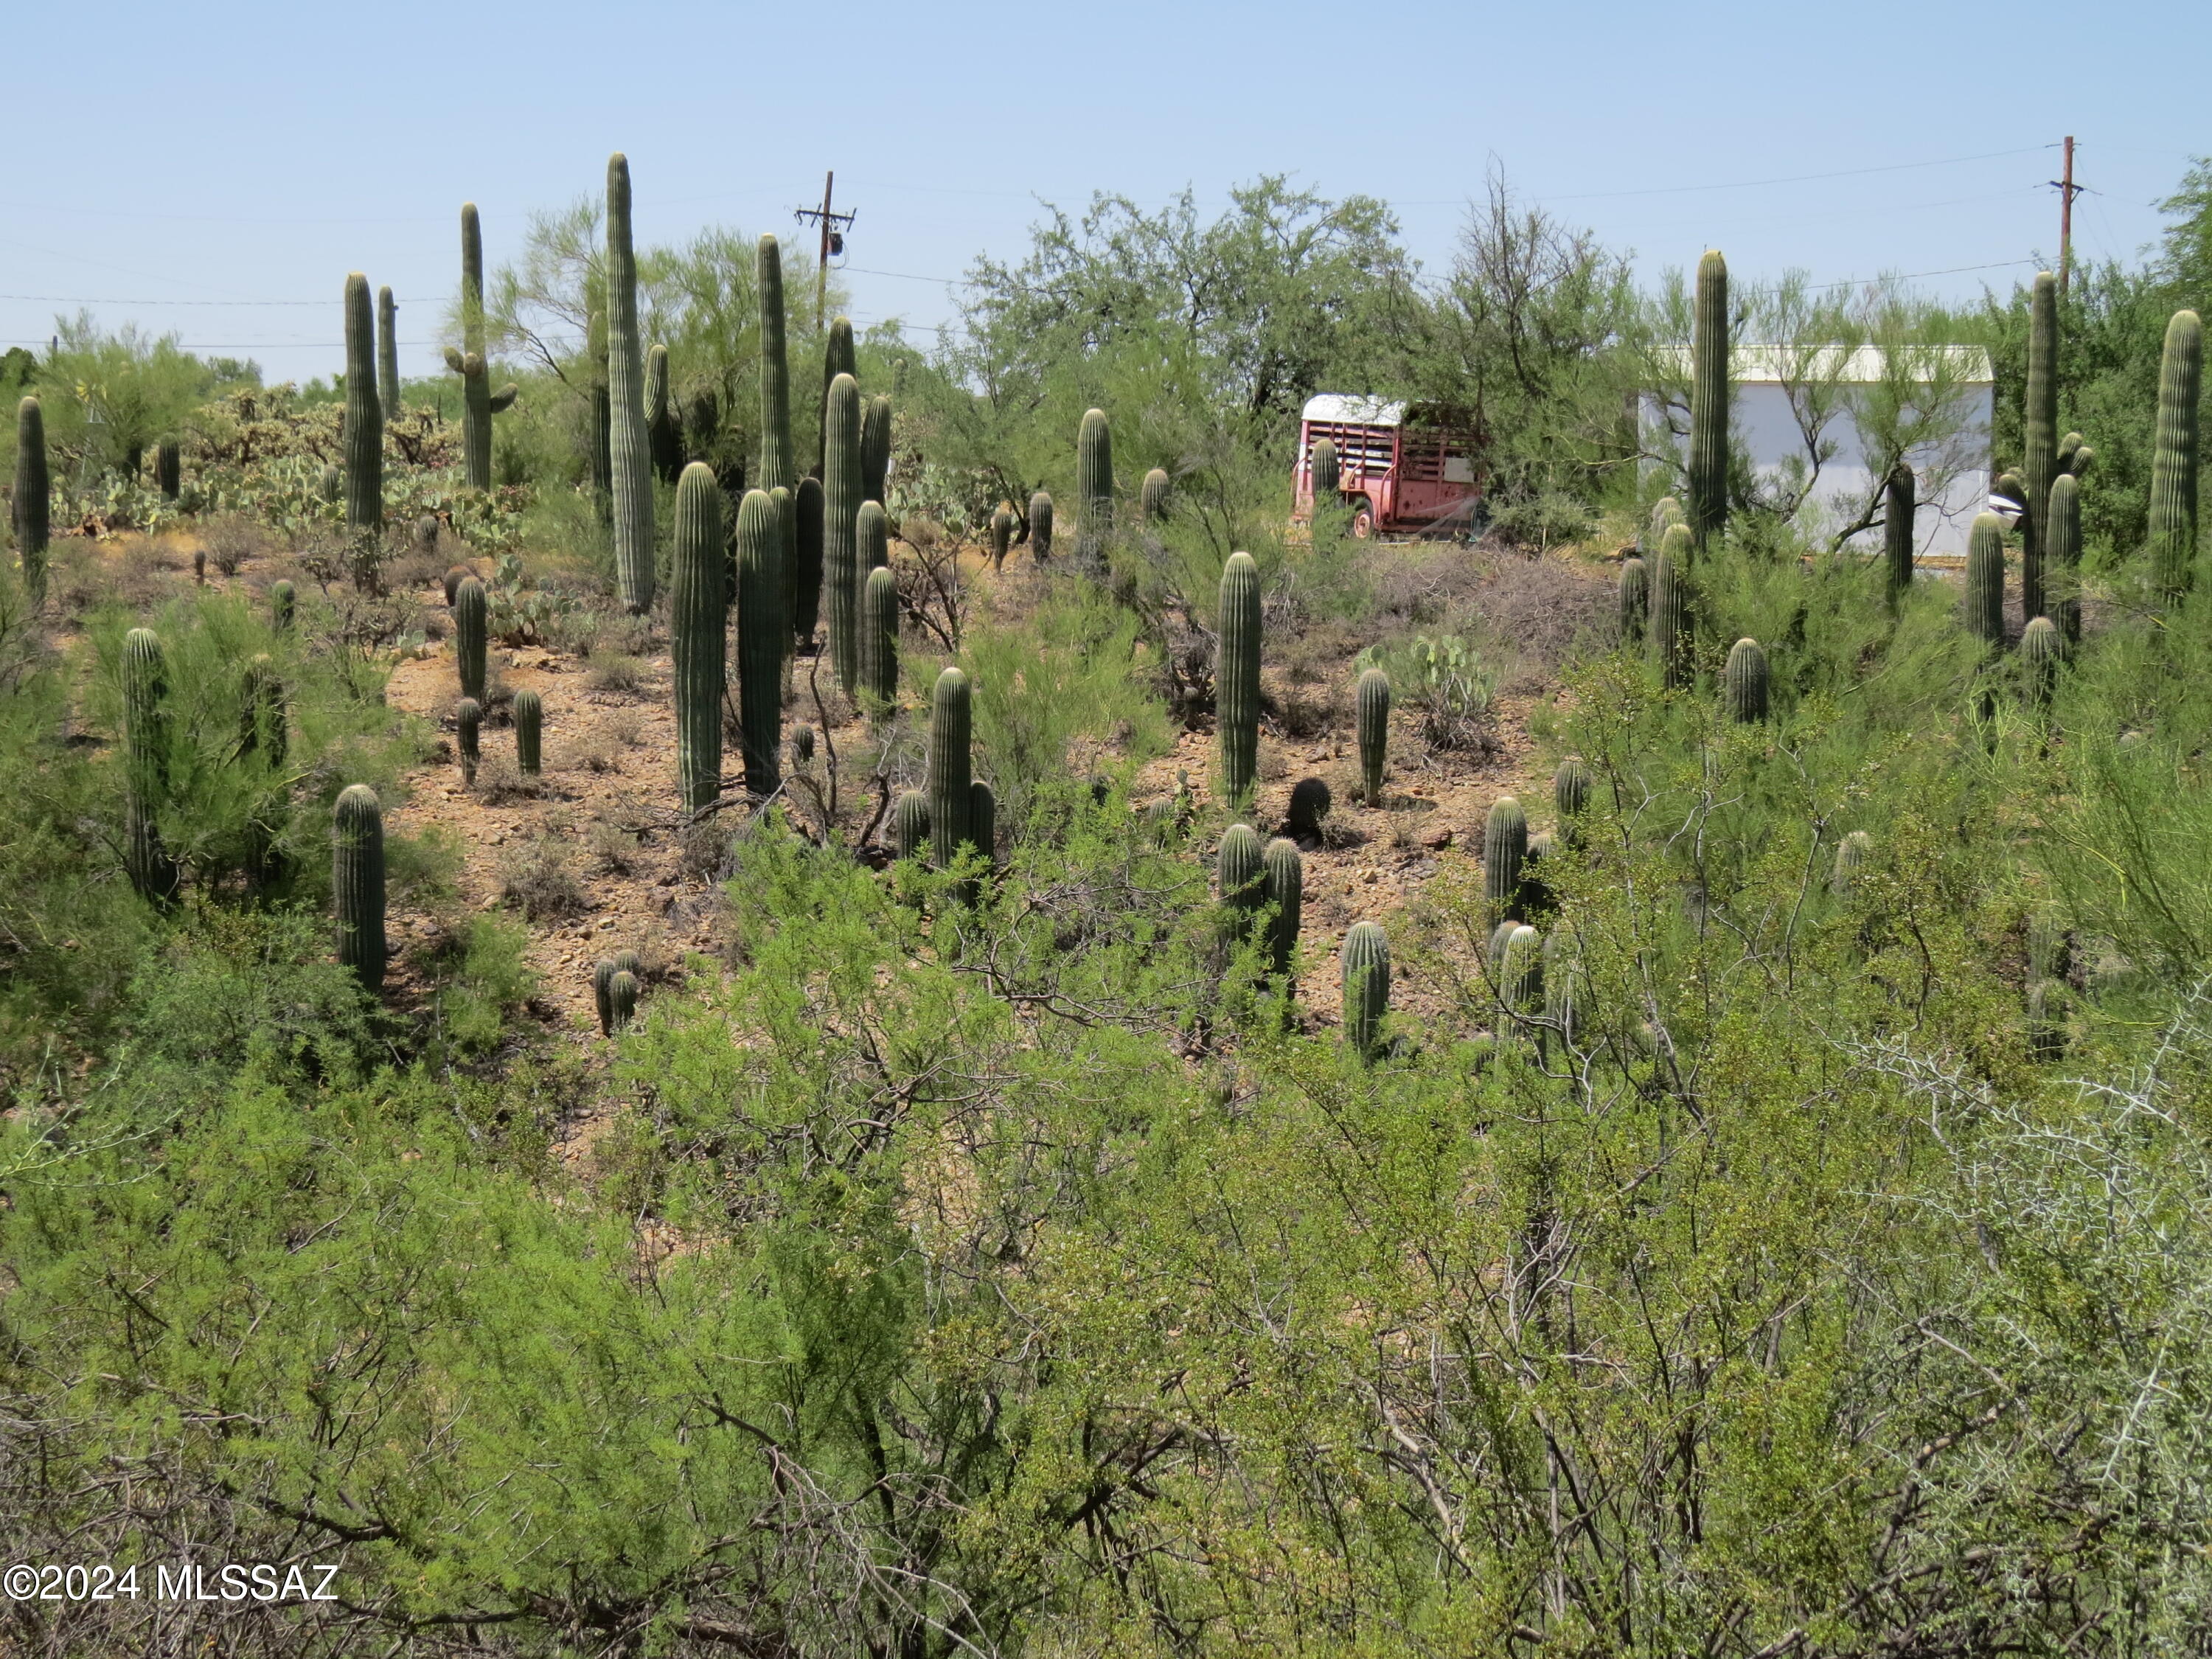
(259,153)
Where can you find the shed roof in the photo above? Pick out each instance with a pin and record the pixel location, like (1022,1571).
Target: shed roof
(1769,365)
(1355,409)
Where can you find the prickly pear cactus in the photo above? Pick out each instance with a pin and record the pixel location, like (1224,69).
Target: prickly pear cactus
(1366,987)
(1284,886)
(529,732)
(357,883)
(1040,527)
(472,627)
(1236,682)
(949,764)
(1372,699)
(1744,684)
(1505,847)
(1094,492)
(764,637)
(696,641)
(879,626)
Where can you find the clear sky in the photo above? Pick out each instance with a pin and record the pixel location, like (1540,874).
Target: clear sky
(258,152)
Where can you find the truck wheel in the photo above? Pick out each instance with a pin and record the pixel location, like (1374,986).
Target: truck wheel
(1363,518)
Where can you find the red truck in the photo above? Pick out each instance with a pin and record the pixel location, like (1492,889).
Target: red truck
(1401,468)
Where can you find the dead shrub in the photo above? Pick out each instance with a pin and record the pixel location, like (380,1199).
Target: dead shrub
(230,539)
(499,782)
(613,850)
(538,880)
(616,674)
(1538,608)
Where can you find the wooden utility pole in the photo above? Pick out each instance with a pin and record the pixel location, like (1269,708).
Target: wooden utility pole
(829,180)
(2067,190)
(833,241)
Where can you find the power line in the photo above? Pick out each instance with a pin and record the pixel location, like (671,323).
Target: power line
(1794,179)
(67,299)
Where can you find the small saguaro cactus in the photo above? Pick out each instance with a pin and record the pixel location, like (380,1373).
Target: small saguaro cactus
(2042,649)
(875,447)
(1239,874)
(426,536)
(2061,555)
(1153,497)
(1666,513)
(763,636)
(1493,954)
(1237,681)
(199,567)
(1284,888)
(1366,986)
(387,355)
(2174,457)
(603,979)
(357,883)
(330,484)
(1897,535)
(34,498)
(1325,472)
(364,424)
(1094,492)
(983,819)
(1672,637)
(169,468)
(471,635)
(807,537)
(1635,600)
(455,575)
(802,746)
(948,763)
(773,451)
(879,634)
(664,432)
(1850,858)
(1571,793)
(468,736)
(1373,698)
(909,823)
(529,732)
(1709,404)
(1504,848)
(2038,434)
(146,763)
(872,539)
(479,403)
(1310,805)
(280,606)
(1982,602)
(1040,527)
(840,507)
(1002,533)
(1743,682)
(629,450)
(261,722)
(1520,979)
(622,1000)
(695,639)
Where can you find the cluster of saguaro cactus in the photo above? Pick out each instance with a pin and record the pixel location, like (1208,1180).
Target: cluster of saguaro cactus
(2174,457)
(1744,683)
(357,883)
(1094,492)
(1153,497)
(468,737)
(879,635)
(615,982)
(1709,404)
(772,465)
(1897,511)
(1982,602)
(471,626)
(1041,526)
(948,765)
(1366,987)
(1372,699)
(146,764)
(1236,679)
(875,448)
(664,433)
(840,507)
(479,403)
(364,424)
(764,635)
(387,355)
(694,632)
(1505,849)
(1635,600)
(630,450)
(33,501)
(529,733)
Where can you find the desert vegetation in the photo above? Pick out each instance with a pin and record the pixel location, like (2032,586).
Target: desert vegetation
(722,985)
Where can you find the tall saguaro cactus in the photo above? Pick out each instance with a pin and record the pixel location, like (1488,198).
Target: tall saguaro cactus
(764,637)
(357,883)
(841,509)
(471,635)
(630,450)
(33,505)
(2173,457)
(695,635)
(1982,603)
(1237,679)
(772,459)
(1373,698)
(364,424)
(387,355)
(1094,492)
(479,403)
(1897,526)
(1366,986)
(948,765)
(2039,462)
(1709,404)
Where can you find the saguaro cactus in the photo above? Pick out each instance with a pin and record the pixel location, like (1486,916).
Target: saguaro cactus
(1743,682)
(910,823)
(772,451)
(983,820)
(1666,513)
(479,403)
(1325,472)
(1635,600)
(1366,986)
(879,627)
(1153,497)
(840,507)
(1851,856)
(33,505)
(1371,698)
(664,433)
(1237,681)
(2062,555)
(1040,527)
(949,761)
(1002,534)
(872,537)
(280,606)
(387,355)
(837,358)
(1570,793)
(2042,648)
(1285,887)
(470,636)
(2038,434)
(1709,404)
(1505,849)
(1520,981)
(146,764)
(695,631)
(468,737)
(630,450)
(357,881)
(1896,537)
(1239,871)
(764,635)
(2173,457)
(807,537)
(364,424)
(603,979)
(1982,603)
(529,731)
(622,1000)
(1094,492)
(169,468)
(1673,642)
(875,448)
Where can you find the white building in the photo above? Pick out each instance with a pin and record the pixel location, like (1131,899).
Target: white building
(1795,417)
